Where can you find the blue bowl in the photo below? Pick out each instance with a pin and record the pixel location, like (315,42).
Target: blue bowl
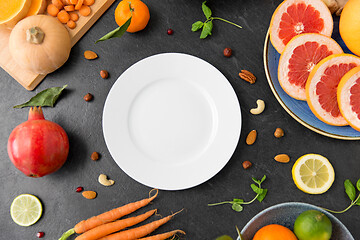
(285,214)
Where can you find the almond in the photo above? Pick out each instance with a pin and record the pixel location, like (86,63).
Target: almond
(90,55)
(251,137)
(283,158)
(89,194)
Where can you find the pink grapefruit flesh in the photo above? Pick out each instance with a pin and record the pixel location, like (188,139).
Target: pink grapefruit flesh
(299,57)
(294,17)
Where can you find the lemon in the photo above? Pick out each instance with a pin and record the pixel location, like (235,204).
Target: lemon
(313,174)
(26,209)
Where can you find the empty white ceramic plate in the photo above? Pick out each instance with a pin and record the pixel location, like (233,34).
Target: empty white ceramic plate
(171,121)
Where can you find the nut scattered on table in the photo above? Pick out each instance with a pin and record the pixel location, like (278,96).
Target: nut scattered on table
(251,137)
(227,52)
(103,180)
(247,76)
(90,55)
(89,194)
(95,156)
(104,74)
(88,97)
(246,164)
(282,158)
(260,107)
(279,133)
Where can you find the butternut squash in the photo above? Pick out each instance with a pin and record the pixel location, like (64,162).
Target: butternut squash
(37,7)
(12,11)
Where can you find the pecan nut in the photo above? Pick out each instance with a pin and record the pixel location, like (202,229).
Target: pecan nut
(247,76)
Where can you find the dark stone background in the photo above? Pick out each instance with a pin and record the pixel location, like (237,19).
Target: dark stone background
(63,207)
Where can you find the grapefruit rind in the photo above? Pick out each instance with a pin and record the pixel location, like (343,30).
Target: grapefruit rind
(283,68)
(274,29)
(343,97)
(315,76)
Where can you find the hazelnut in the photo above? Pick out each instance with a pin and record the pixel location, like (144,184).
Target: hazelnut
(95,156)
(279,133)
(88,97)
(227,52)
(246,164)
(104,74)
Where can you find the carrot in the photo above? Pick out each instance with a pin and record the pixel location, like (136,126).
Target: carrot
(85,10)
(139,232)
(79,4)
(71,24)
(63,16)
(66,2)
(162,236)
(108,228)
(52,10)
(69,8)
(58,4)
(74,16)
(73,1)
(89,2)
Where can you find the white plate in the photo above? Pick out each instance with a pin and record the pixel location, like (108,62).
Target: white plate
(171,121)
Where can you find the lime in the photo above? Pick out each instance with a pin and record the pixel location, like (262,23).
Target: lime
(313,225)
(26,209)
(313,174)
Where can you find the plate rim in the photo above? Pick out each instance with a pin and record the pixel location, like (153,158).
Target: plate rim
(283,105)
(228,153)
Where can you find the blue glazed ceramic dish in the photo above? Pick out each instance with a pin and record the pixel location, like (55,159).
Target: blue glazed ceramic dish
(285,214)
(300,110)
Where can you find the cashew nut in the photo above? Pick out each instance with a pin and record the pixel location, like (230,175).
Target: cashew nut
(260,107)
(104,181)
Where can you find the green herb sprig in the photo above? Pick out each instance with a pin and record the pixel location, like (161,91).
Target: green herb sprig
(227,237)
(237,204)
(351,192)
(207,26)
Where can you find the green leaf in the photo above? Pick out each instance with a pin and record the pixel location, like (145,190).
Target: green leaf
(256,181)
(263,179)
(206,29)
(358,185)
(262,195)
(358,202)
(197,26)
(237,207)
(350,189)
(118,32)
(224,237)
(256,189)
(45,98)
(206,10)
(237,200)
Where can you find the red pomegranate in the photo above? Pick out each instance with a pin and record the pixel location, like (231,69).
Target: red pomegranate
(38,147)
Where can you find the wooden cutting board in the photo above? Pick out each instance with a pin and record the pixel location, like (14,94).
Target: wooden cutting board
(30,80)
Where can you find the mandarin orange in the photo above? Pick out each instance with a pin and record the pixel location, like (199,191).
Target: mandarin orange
(137,10)
(274,232)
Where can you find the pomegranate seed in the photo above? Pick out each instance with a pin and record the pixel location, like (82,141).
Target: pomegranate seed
(170,31)
(79,189)
(40,234)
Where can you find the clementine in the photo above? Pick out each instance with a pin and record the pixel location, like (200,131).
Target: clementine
(132,8)
(274,232)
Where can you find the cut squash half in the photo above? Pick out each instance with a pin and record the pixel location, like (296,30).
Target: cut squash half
(13,11)
(37,7)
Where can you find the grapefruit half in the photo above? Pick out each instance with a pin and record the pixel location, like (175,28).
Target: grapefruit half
(294,17)
(321,87)
(299,57)
(348,96)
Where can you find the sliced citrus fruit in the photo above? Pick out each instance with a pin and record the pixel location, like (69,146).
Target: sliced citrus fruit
(13,11)
(348,96)
(313,174)
(321,87)
(37,7)
(26,209)
(294,17)
(299,57)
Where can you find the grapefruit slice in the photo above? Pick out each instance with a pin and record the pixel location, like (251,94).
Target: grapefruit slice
(294,17)
(300,56)
(321,87)
(348,96)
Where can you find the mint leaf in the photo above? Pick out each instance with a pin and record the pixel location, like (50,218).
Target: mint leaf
(197,26)
(358,185)
(263,179)
(261,196)
(206,10)
(118,32)
(256,189)
(237,207)
(358,202)
(350,189)
(206,29)
(237,200)
(224,237)
(256,181)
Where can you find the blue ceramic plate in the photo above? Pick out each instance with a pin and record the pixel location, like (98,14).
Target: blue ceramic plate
(300,110)
(285,214)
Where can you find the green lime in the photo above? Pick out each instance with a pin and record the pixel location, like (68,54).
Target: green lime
(26,209)
(313,225)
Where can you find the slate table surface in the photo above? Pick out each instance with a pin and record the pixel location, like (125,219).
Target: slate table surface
(63,207)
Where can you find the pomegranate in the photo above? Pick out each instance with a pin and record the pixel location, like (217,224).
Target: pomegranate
(38,147)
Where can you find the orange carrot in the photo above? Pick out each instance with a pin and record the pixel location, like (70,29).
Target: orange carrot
(66,2)
(71,24)
(85,10)
(89,2)
(139,232)
(52,10)
(112,227)
(162,236)
(69,8)
(112,215)
(58,4)
(79,4)
(73,1)
(63,16)
(74,16)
